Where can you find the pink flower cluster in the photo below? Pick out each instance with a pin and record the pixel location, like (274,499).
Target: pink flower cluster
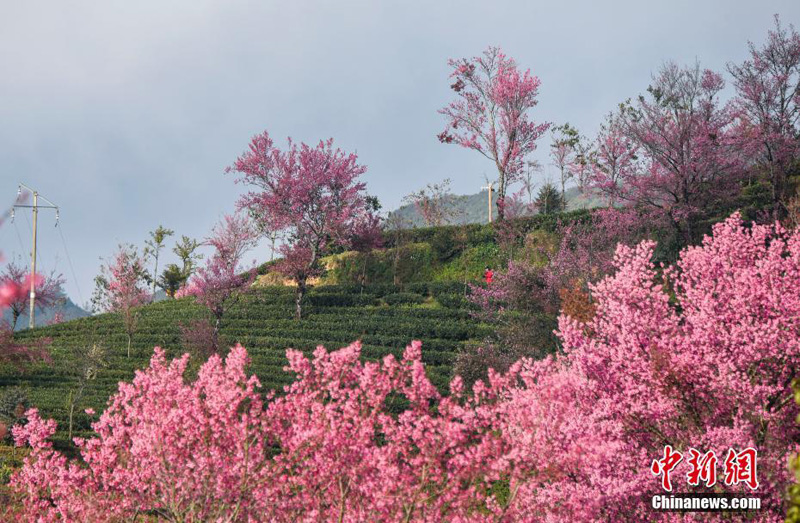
(12,291)
(699,355)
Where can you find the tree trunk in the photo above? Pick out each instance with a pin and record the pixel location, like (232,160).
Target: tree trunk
(73,400)
(155,277)
(364,273)
(71,412)
(129,344)
(301,290)
(776,179)
(465,276)
(395,264)
(215,335)
(501,196)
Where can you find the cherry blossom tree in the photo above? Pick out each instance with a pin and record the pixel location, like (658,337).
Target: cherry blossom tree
(15,353)
(217,284)
(121,287)
(312,195)
(491,113)
(525,298)
(8,290)
(12,291)
(614,161)
(685,135)
(48,290)
(564,151)
(768,104)
(701,355)
(326,450)
(434,203)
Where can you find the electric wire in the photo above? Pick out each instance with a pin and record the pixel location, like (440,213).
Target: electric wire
(19,238)
(69,260)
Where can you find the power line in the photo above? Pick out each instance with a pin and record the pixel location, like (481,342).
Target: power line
(19,238)
(71,267)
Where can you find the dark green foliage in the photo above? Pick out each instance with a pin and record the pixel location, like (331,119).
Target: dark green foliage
(434,288)
(13,403)
(171,279)
(478,234)
(444,244)
(453,301)
(548,199)
(415,262)
(517,336)
(403,298)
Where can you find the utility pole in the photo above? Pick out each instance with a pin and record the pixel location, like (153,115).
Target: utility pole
(35,208)
(489,186)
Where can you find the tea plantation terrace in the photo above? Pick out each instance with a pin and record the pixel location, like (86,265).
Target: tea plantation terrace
(385,318)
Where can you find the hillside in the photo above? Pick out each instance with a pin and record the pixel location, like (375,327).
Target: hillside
(474,208)
(414,289)
(381,317)
(68,309)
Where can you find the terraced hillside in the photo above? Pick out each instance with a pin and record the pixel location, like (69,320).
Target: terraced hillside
(383,317)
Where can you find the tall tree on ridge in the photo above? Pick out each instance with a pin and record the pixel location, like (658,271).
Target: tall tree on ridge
(768,105)
(490,113)
(153,248)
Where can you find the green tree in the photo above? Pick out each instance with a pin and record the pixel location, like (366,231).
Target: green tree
(153,248)
(172,279)
(549,200)
(186,251)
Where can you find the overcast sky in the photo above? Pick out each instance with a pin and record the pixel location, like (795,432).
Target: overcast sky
(126,113)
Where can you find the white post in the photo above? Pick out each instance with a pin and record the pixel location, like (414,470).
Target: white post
(32,311)
(490,186)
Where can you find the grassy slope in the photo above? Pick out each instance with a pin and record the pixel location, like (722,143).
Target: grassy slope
(262,322)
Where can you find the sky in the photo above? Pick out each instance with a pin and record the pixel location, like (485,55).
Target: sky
(125,114)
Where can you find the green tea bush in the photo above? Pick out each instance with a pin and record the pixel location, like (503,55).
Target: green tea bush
(403,298)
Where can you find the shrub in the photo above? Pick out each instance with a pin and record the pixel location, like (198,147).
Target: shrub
(453,301)
(413,262)
(13,403)
(403,298)
(211,450)
(444,244)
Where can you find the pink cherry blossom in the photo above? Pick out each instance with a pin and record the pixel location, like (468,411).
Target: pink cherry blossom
(491,113)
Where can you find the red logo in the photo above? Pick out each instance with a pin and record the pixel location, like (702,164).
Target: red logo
(664,466)
(740,467)
(703,467)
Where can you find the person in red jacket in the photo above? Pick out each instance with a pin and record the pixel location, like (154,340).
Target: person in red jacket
(488,274)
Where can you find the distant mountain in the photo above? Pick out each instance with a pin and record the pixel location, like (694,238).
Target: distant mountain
(474,208)
(69,311)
